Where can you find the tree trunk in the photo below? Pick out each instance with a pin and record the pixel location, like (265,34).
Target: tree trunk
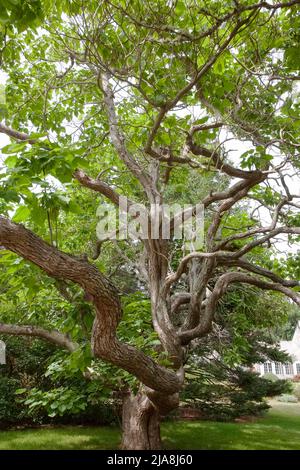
(141,424)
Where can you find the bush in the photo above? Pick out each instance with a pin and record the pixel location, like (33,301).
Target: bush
(69,405)
(224,393)
(296,391)
(288,399)
(278,387)
(29,395)
(270,376)
(10,410)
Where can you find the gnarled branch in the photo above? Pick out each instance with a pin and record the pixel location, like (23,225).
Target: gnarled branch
(104,296)
(220,288)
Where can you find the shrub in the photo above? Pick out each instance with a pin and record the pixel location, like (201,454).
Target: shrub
(288,398)
(296,391)
(224,393)
(69,405)
(10,409)
(31,395)
(270,376)
(278,387)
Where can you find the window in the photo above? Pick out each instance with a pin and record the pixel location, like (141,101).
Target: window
(298,367)
(267,367)
(278,368)
(289,368)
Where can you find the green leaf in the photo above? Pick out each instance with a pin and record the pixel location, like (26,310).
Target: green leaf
(9,195)
(20,391)
(11,161)
(74,207)
(14,148)
(21,214)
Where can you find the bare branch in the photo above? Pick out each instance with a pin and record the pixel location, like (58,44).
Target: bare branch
(255,231)
(118,139)
(17,135)
(262,240)
(181,93)
(216,160)
(244,264)
(100,187)
(53,336)
(220,288)
(183,263)
(178,300)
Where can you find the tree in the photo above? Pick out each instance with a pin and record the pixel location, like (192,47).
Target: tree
(221,380)
(154,92)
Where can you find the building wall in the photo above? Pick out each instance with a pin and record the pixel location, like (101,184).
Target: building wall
(288,370)
(283,371)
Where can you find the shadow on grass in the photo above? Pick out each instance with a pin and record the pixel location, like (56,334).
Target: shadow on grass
(279,429)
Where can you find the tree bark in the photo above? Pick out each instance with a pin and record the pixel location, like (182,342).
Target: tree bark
(105,344)
(141,424)
(53,336)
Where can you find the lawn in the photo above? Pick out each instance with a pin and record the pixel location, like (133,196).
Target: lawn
(280,429)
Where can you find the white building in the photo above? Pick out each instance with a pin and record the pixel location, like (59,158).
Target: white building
(289,369)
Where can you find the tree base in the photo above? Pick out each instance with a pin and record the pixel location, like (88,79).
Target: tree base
(141,424)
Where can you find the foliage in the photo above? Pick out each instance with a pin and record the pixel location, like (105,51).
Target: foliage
(145,98)
(286,331)
(224,393)
(296,390)
(24,360)
(285,398)
(220,381)
(10,411)
(270,376)
(38,387)
(81,405)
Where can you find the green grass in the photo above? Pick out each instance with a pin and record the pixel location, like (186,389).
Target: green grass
(62,438)
(280,429)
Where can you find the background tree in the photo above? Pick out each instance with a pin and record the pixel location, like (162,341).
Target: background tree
(132,99)
(222,382)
